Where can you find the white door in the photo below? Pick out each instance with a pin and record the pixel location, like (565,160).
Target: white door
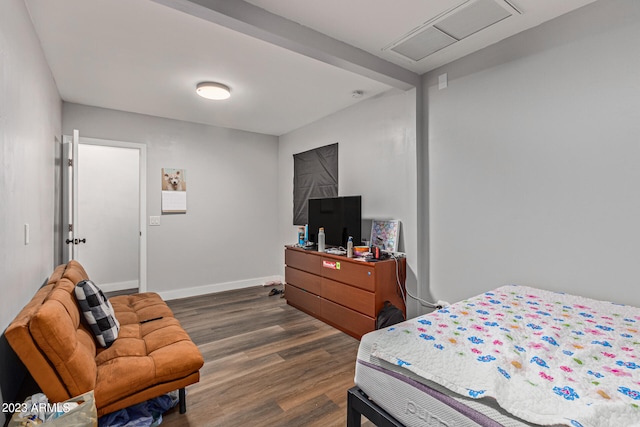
(107,232)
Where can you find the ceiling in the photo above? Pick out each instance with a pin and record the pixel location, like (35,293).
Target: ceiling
(288,62)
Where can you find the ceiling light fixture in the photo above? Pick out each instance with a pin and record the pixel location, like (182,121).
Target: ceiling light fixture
(211,90)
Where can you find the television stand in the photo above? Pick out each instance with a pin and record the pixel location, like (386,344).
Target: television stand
(346,293)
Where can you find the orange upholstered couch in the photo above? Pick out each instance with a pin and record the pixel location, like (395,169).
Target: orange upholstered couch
(146,360)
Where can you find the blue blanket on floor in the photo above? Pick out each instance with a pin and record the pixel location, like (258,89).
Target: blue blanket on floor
(145,414)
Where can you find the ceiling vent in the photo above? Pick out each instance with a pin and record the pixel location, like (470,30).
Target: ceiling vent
(452,26)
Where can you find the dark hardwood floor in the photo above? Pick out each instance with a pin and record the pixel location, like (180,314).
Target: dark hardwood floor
(266,363)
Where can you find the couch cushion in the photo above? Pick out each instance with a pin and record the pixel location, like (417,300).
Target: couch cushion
(75,272)
(147,351)
(57,331)
(25,336)
(98,312)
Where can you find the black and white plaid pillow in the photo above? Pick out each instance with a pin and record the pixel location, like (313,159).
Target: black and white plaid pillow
(98,312)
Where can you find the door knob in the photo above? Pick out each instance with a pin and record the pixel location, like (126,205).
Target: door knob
(75,241)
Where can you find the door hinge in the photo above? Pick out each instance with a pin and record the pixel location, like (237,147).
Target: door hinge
(70,228)
(70,162)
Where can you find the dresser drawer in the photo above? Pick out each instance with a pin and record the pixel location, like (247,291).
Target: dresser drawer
(352,322)
(302,260)
(351,297)
(354,273)
(303,300)
(302,280)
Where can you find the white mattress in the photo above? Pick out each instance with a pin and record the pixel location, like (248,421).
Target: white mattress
(417,402)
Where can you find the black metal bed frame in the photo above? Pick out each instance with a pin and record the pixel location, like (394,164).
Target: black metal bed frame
(358,404)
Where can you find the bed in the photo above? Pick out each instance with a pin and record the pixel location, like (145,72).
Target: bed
(515,356)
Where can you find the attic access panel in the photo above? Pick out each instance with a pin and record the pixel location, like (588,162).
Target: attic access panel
(450,27)
(473,18)
(424,44)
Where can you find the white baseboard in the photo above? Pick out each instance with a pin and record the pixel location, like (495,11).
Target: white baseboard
(118,286)
(216,287)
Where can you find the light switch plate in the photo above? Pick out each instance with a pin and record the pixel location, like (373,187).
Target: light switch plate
(154,220)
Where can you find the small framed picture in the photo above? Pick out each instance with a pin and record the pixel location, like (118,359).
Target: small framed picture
(174,190)
(174,179)
(385,234)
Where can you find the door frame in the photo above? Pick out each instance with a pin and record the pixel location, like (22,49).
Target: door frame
(142,203)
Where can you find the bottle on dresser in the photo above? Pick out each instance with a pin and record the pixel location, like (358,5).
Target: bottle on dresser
(321,239)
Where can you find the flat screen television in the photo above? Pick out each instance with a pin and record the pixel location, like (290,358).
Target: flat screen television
(341,217)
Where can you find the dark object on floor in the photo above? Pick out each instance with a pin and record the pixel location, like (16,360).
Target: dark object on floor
(275,292)
(145,414)
(389,315)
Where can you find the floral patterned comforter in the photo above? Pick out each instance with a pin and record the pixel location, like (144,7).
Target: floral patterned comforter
(546,357)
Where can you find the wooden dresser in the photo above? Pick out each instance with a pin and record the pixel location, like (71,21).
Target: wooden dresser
(343,292)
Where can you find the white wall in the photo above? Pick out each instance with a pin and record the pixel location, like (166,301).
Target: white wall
(534,160)
(30,120)
(376,159)
(30,111)
(227,238)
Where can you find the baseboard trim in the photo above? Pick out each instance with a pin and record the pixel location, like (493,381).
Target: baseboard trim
(118,286)
(216,287)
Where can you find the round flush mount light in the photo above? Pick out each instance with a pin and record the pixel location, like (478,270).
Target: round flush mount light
(211,90)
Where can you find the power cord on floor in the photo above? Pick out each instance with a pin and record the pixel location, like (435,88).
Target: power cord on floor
(404,292)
